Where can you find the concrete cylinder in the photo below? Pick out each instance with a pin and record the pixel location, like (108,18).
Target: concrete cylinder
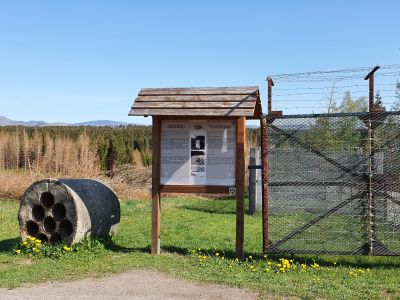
(68,210)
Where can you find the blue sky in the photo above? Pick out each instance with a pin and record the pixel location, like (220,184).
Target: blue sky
(72,61)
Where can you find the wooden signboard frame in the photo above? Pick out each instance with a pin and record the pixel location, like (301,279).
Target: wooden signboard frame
(199,103)
(157,188)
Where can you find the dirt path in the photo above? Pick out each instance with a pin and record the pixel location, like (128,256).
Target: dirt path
(131,285)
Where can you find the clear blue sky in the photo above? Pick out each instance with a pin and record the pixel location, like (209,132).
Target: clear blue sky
(72,61)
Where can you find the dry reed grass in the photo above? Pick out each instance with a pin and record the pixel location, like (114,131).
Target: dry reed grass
(14,183)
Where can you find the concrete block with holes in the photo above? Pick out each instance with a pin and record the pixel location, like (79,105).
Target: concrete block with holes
(68,210)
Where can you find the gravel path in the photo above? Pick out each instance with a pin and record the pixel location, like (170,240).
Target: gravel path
(131,285)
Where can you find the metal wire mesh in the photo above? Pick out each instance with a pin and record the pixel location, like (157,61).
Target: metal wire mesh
(334,183)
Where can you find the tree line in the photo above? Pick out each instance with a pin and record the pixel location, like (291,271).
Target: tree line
(71,150)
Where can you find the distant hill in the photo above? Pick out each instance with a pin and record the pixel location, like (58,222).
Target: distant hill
(101,123)
(97,123)
(8,122)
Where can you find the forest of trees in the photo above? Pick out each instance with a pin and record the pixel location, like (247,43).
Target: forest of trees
(74,150)
(79,150)
(98,150)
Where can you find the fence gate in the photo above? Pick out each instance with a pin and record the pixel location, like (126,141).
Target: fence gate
(334,183)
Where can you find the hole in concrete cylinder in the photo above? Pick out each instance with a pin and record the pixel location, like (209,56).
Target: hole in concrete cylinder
(32,228)
(47,199)
(42,237)
(59,211)
(38,212)
(55,238)
(66,228)
(49,224)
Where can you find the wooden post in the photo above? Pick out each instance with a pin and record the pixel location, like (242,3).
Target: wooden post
(264,185)
(270,85)
(240,182)
(370,78)
(371,228)
(371,93)
(156,199)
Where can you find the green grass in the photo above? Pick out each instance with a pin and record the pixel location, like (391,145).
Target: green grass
(187,224)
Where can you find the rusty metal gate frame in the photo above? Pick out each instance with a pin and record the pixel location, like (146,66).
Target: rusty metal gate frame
(372,246)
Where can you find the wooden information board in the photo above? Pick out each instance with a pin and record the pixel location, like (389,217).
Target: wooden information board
(199,137)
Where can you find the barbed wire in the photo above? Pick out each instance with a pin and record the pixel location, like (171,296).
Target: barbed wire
(316,93)
(327,89)
(353,73)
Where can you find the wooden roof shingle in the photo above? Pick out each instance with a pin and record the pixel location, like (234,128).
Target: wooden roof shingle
(221,101)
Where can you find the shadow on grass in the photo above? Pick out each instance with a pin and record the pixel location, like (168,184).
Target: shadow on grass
(352,261)
(209,210)
(322,260)
(110,245)
(9,245)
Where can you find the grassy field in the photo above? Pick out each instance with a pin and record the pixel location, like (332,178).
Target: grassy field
(187,225)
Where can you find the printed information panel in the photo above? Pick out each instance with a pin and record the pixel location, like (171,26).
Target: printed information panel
(198,152)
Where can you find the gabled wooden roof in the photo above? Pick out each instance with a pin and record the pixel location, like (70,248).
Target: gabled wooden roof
(221,101)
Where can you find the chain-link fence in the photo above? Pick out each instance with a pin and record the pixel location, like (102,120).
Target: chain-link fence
(334,183)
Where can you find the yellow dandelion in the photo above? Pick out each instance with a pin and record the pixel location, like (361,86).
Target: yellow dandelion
(18,251)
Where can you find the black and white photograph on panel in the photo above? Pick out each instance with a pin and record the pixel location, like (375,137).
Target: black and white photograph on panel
(197,158)
(198,142)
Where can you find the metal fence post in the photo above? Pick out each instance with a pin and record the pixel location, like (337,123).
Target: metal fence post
(254,182)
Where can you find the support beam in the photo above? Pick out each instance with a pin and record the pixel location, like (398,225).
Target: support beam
(270,85)
(264,185)
(371,228)
(370,78)
(156,198)
(240,182)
